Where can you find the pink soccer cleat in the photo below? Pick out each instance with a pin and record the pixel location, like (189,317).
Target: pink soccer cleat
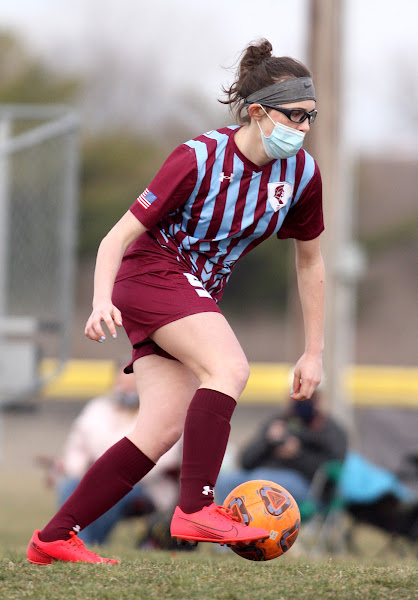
(213,524)
(72,550)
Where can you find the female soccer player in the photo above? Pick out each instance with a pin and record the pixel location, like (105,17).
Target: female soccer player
(161,272)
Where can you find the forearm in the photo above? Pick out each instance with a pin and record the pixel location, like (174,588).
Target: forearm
(109,257)
(110,253)
(311,285)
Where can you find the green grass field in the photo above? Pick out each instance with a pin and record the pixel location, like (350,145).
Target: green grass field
(202,575)
(164,576)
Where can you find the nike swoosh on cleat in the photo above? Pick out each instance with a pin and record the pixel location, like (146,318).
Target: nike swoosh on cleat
(203,531)
(207,528)
(307,85)
(40,550)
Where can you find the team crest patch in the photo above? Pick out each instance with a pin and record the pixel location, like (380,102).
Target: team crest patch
(278,194)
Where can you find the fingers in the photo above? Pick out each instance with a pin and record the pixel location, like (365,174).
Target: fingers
(94,327)
(303,387)
(305,392)
(117,317)
(299,386)
(307,376)
(306,389)
(296,382)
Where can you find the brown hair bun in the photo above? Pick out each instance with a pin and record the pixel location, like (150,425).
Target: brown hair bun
(257,69)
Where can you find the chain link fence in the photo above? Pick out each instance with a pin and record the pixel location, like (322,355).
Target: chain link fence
(38,216)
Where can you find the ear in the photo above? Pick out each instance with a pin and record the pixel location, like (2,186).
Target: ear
(256,112)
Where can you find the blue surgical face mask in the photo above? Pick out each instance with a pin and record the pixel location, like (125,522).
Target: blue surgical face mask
(283,142)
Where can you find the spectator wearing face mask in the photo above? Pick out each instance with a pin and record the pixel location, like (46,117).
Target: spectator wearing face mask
(288,449)
(104,421)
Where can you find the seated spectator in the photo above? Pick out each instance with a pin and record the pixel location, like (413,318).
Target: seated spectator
(378,497)
(102,422)
(288,449)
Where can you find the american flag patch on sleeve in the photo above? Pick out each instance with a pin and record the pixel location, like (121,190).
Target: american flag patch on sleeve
(146,198)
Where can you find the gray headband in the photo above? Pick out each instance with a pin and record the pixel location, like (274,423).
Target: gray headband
(285,92)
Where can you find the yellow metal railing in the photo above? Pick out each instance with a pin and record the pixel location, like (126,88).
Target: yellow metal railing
(268,383)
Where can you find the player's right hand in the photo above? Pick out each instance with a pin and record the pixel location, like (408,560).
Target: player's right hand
(103,312)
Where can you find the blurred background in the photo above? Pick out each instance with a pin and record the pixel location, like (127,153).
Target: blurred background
(94,96)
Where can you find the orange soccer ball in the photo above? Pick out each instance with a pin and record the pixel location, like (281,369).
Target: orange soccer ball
(265,504)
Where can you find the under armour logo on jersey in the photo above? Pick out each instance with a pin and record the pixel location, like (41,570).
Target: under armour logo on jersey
(222,176)
(208,490)
(77,528)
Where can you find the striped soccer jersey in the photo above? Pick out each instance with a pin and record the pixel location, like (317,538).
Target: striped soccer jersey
(210,205)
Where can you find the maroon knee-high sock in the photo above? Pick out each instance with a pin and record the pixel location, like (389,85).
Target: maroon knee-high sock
(206,433)
(108,480)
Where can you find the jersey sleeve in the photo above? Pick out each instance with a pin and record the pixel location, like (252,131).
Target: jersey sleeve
(305,220)
(169,189)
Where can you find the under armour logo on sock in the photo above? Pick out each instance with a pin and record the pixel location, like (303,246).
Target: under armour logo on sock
(208,490)
(77,528)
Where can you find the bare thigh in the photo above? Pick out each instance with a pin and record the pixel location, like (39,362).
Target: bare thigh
(165,388)
(206,344)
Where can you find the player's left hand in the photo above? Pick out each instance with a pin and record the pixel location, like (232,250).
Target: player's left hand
(307,376)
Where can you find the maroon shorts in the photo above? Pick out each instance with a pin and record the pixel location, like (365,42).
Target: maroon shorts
(162,293)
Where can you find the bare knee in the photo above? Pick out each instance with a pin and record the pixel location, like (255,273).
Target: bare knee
(239,370)
(229,375)
(155,439)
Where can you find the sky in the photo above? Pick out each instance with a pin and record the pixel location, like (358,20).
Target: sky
(144,56)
